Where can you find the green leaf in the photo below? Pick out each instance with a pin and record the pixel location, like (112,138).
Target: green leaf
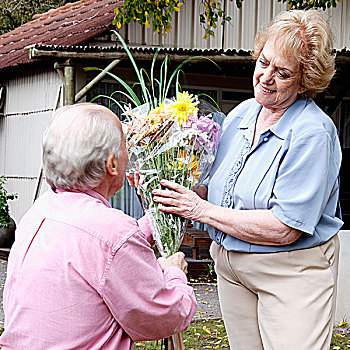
(152,76)
(216,105)
(109,98)
(182,64)
(140,77)
(121,81)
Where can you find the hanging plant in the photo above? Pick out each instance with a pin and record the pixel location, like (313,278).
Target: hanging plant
(212,14)
(4,208)
(158,14)
(146,12)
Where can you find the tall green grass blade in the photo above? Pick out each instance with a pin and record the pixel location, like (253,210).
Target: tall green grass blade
(160,84)
(152,76)
(177,86)
(181,65)
(146,90)
(121,81)
(124,94)
(139,75)
(216,105)
(166,59)
(110,99)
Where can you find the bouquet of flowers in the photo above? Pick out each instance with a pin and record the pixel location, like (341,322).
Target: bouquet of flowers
(173,142)
(167,139)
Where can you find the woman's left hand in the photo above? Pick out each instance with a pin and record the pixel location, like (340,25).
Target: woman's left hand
(179,200)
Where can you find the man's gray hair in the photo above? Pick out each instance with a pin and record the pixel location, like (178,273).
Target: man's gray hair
(77,144)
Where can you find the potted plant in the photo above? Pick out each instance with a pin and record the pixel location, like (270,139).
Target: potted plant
(7,224)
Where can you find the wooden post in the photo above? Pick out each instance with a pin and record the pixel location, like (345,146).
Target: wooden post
(69,84)
(175,342)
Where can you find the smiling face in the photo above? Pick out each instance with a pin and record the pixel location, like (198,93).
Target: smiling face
(275,79)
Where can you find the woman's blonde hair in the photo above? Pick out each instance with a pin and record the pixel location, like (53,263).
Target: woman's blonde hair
(307,37)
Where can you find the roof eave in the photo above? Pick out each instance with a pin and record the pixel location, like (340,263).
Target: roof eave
(40,53)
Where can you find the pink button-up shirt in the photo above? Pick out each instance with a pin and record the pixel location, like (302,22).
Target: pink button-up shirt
(82,275)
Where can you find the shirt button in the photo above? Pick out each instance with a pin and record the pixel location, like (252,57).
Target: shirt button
(266,138)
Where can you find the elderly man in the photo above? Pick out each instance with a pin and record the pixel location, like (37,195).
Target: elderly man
(82,275)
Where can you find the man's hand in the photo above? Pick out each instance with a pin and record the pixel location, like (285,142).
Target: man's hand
(134,181)
(177,260)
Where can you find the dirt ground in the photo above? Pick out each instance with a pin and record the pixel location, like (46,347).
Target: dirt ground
(207,299)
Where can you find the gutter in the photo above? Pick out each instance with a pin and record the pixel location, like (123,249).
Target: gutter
(49,54)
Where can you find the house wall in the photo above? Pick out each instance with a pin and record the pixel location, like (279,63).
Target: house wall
(237,34)
(32,92)
(31,95)
(343,299)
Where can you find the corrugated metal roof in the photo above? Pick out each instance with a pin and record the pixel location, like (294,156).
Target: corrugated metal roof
(72,24)
(82,22)
(142,49)
(151,50)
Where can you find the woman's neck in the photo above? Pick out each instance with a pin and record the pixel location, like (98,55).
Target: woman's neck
(270,117)
(265,120)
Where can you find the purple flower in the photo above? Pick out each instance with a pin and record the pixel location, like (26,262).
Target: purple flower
(190,121)
(206,131)
(209,133)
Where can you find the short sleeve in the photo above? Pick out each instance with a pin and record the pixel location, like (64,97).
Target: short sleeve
(305,181)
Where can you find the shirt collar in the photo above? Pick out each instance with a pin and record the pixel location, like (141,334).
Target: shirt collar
(90,193)
(281,128)
(250,116)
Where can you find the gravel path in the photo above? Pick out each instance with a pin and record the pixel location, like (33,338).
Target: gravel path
(208,301)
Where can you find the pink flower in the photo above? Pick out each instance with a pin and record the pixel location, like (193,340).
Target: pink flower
(209,133)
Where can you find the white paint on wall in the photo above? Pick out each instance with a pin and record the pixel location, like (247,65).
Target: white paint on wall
(31,94)
(343,295)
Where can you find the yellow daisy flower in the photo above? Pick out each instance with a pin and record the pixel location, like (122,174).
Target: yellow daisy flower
(183,107)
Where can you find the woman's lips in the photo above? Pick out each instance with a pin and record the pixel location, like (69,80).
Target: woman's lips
(266,90)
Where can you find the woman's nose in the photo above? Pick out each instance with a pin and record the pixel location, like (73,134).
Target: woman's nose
(268,75)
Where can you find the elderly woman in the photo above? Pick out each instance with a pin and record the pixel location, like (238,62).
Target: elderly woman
(82,275)
(273,195)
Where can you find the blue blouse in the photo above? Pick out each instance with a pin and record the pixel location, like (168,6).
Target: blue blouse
(292,171)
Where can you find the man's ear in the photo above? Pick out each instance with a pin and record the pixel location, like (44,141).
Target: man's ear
(111,165)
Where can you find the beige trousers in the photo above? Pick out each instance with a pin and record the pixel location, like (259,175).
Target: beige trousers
(278,301)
